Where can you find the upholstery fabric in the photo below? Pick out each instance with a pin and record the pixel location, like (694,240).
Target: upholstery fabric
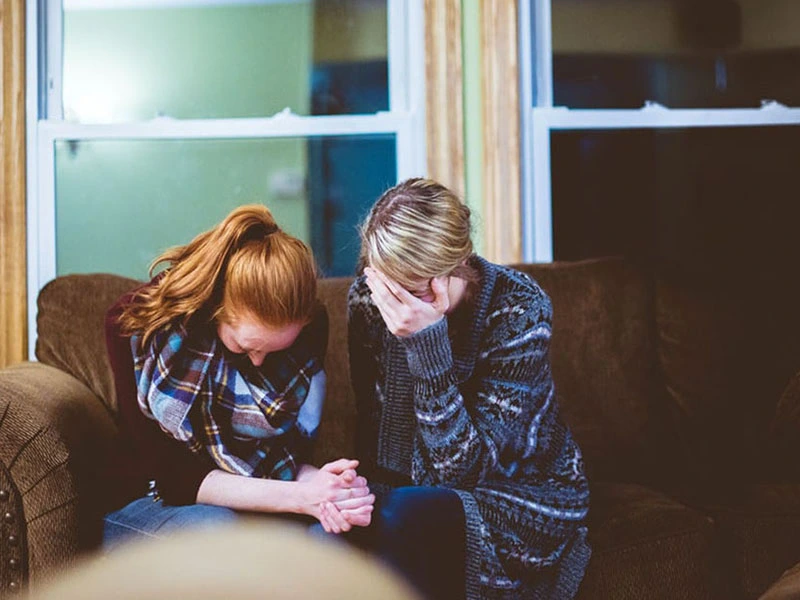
(758,527)
(604,363)
(644,540)
(785,426)
(727,350)
(336,434)
(71,337)
(51,430)
(683,393)
(787,587)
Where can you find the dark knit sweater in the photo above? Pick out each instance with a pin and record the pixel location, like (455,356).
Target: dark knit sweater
(475,410)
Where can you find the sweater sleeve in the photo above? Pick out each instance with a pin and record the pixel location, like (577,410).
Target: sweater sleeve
(470,433)
(178,472)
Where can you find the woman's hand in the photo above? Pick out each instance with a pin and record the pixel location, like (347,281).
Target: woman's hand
(335,520)
(336,495)
(403,312)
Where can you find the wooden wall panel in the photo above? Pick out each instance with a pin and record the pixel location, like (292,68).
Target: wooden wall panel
(502,194)
(13,309)
(444,93)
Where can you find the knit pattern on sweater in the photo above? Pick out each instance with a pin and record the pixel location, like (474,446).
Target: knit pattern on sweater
(477,413)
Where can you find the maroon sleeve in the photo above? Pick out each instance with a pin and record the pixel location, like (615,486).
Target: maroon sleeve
(150,453)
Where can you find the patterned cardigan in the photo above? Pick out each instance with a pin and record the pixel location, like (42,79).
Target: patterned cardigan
(475,410)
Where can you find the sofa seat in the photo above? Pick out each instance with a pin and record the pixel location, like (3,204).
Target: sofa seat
(759,534)
(644,540)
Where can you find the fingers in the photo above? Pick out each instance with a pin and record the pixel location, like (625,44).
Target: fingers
(338,467)
(388,304)
(404,313)
(323,519)
(356,502)
(360,517)
(351,479)
(350,493)
(335,520)
(396,290)
(348,476)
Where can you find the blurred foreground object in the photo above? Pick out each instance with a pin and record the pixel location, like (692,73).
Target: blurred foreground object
(251,559)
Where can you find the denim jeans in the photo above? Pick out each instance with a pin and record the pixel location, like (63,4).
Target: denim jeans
(420,533)
(148,517)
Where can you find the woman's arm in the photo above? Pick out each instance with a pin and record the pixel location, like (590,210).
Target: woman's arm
(511,383)
(320,493)
(511,388)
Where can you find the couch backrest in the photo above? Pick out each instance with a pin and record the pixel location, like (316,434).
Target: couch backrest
(337,431)
(603,355)
(71,328)
(651,372)
(604,361)
(729,347)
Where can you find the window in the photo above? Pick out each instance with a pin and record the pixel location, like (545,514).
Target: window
(660,128)
(152,119)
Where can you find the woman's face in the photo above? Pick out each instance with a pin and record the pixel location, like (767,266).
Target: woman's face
(422,290)
(251,337)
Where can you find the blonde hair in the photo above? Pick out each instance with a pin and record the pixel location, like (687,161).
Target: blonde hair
(419,229)
(246,265)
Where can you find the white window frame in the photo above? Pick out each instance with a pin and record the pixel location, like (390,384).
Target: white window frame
(539,118)
(405,119)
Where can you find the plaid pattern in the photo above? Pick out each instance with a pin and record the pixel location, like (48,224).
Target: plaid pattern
(243,417)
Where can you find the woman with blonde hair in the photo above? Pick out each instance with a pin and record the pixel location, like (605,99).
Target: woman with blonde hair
(481,488)
(218,368)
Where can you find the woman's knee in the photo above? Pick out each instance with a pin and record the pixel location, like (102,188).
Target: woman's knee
(145,518)
(406,511)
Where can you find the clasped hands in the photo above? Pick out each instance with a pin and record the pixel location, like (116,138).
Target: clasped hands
(337,496)
(403,312)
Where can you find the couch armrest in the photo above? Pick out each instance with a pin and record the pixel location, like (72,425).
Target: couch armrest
(52,431)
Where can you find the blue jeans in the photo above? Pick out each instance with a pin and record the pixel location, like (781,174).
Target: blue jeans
(151,518)
(420,532)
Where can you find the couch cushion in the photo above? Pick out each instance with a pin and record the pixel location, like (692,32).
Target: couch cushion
(758,527)
(646,545)
(71,329)
(604,363)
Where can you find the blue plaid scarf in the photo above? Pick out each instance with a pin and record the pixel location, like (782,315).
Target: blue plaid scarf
(245,418)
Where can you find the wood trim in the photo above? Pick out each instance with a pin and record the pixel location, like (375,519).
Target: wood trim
(502,194)
(13,304)
(444,93)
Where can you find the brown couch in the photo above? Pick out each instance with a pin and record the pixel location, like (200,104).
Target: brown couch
(671,387)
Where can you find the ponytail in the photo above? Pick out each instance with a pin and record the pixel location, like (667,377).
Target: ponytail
(246,265)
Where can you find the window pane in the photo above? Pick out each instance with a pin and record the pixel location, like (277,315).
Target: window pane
(715,54)
(131,61)
(121,203)
(718,202)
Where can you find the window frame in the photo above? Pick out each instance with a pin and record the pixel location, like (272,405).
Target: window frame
(539,118)
(405,119)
